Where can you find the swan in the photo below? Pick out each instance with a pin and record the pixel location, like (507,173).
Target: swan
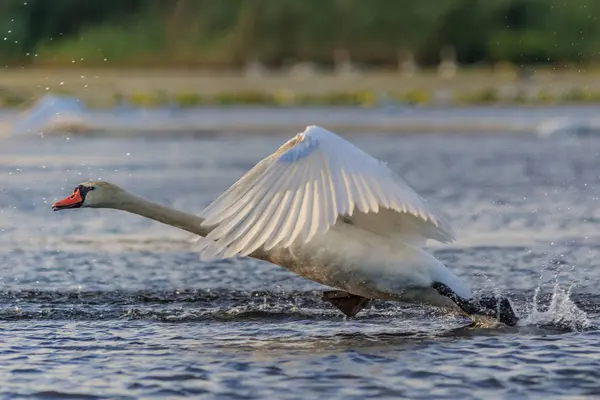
(324,209)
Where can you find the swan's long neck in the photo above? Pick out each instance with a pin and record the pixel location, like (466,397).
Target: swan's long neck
(169,216)
(160,213)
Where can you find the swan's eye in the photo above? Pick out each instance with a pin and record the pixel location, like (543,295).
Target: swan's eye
(85,188)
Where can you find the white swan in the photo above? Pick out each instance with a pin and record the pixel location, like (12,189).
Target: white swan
(324,209)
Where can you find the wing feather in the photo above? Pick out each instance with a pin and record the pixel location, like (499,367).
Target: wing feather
(302,189)
(361,197)
(306,219)
(329,191)
(239,187)
(328,199)
(276,211)
(277,216)
(340,191)
(350,192)
(380,194)
(250,227)
(284,227)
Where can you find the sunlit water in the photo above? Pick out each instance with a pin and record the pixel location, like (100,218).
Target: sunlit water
(101,304)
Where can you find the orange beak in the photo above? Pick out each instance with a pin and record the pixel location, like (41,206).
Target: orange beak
(75,200)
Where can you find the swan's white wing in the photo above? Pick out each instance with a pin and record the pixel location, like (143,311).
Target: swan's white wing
(302,189)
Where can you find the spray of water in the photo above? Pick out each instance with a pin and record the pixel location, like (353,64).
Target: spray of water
(562,312)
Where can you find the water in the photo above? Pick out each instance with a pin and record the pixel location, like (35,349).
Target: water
(102,304)
(51,114)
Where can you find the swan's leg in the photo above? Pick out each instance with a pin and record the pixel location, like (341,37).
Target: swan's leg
(499,308)
(465,304)
(349,304)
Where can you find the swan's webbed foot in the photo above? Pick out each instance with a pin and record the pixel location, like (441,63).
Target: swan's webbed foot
(349,304)
(494,307)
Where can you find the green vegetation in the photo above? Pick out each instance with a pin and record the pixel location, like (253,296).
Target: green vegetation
(228,33)
(365,99)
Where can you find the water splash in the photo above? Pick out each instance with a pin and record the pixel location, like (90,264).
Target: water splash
(562,312)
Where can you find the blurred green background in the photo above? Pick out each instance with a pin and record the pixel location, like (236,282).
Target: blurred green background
(228,33)
(301,52)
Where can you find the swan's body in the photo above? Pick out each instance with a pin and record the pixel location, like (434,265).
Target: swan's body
(359,263)
(329,212)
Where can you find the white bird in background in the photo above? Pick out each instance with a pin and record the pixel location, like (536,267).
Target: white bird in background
(324,209)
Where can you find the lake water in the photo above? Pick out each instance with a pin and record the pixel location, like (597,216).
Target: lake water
(102,304)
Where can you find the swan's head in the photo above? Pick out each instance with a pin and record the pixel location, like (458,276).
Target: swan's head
(91,194)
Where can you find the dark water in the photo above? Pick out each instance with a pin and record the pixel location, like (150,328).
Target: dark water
(101,304)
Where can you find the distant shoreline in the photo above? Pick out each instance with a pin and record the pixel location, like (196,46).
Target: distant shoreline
(207,121)
(189,88)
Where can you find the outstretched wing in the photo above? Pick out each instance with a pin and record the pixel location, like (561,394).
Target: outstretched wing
(300,191)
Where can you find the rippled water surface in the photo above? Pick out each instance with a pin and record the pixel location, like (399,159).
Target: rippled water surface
(102,304)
